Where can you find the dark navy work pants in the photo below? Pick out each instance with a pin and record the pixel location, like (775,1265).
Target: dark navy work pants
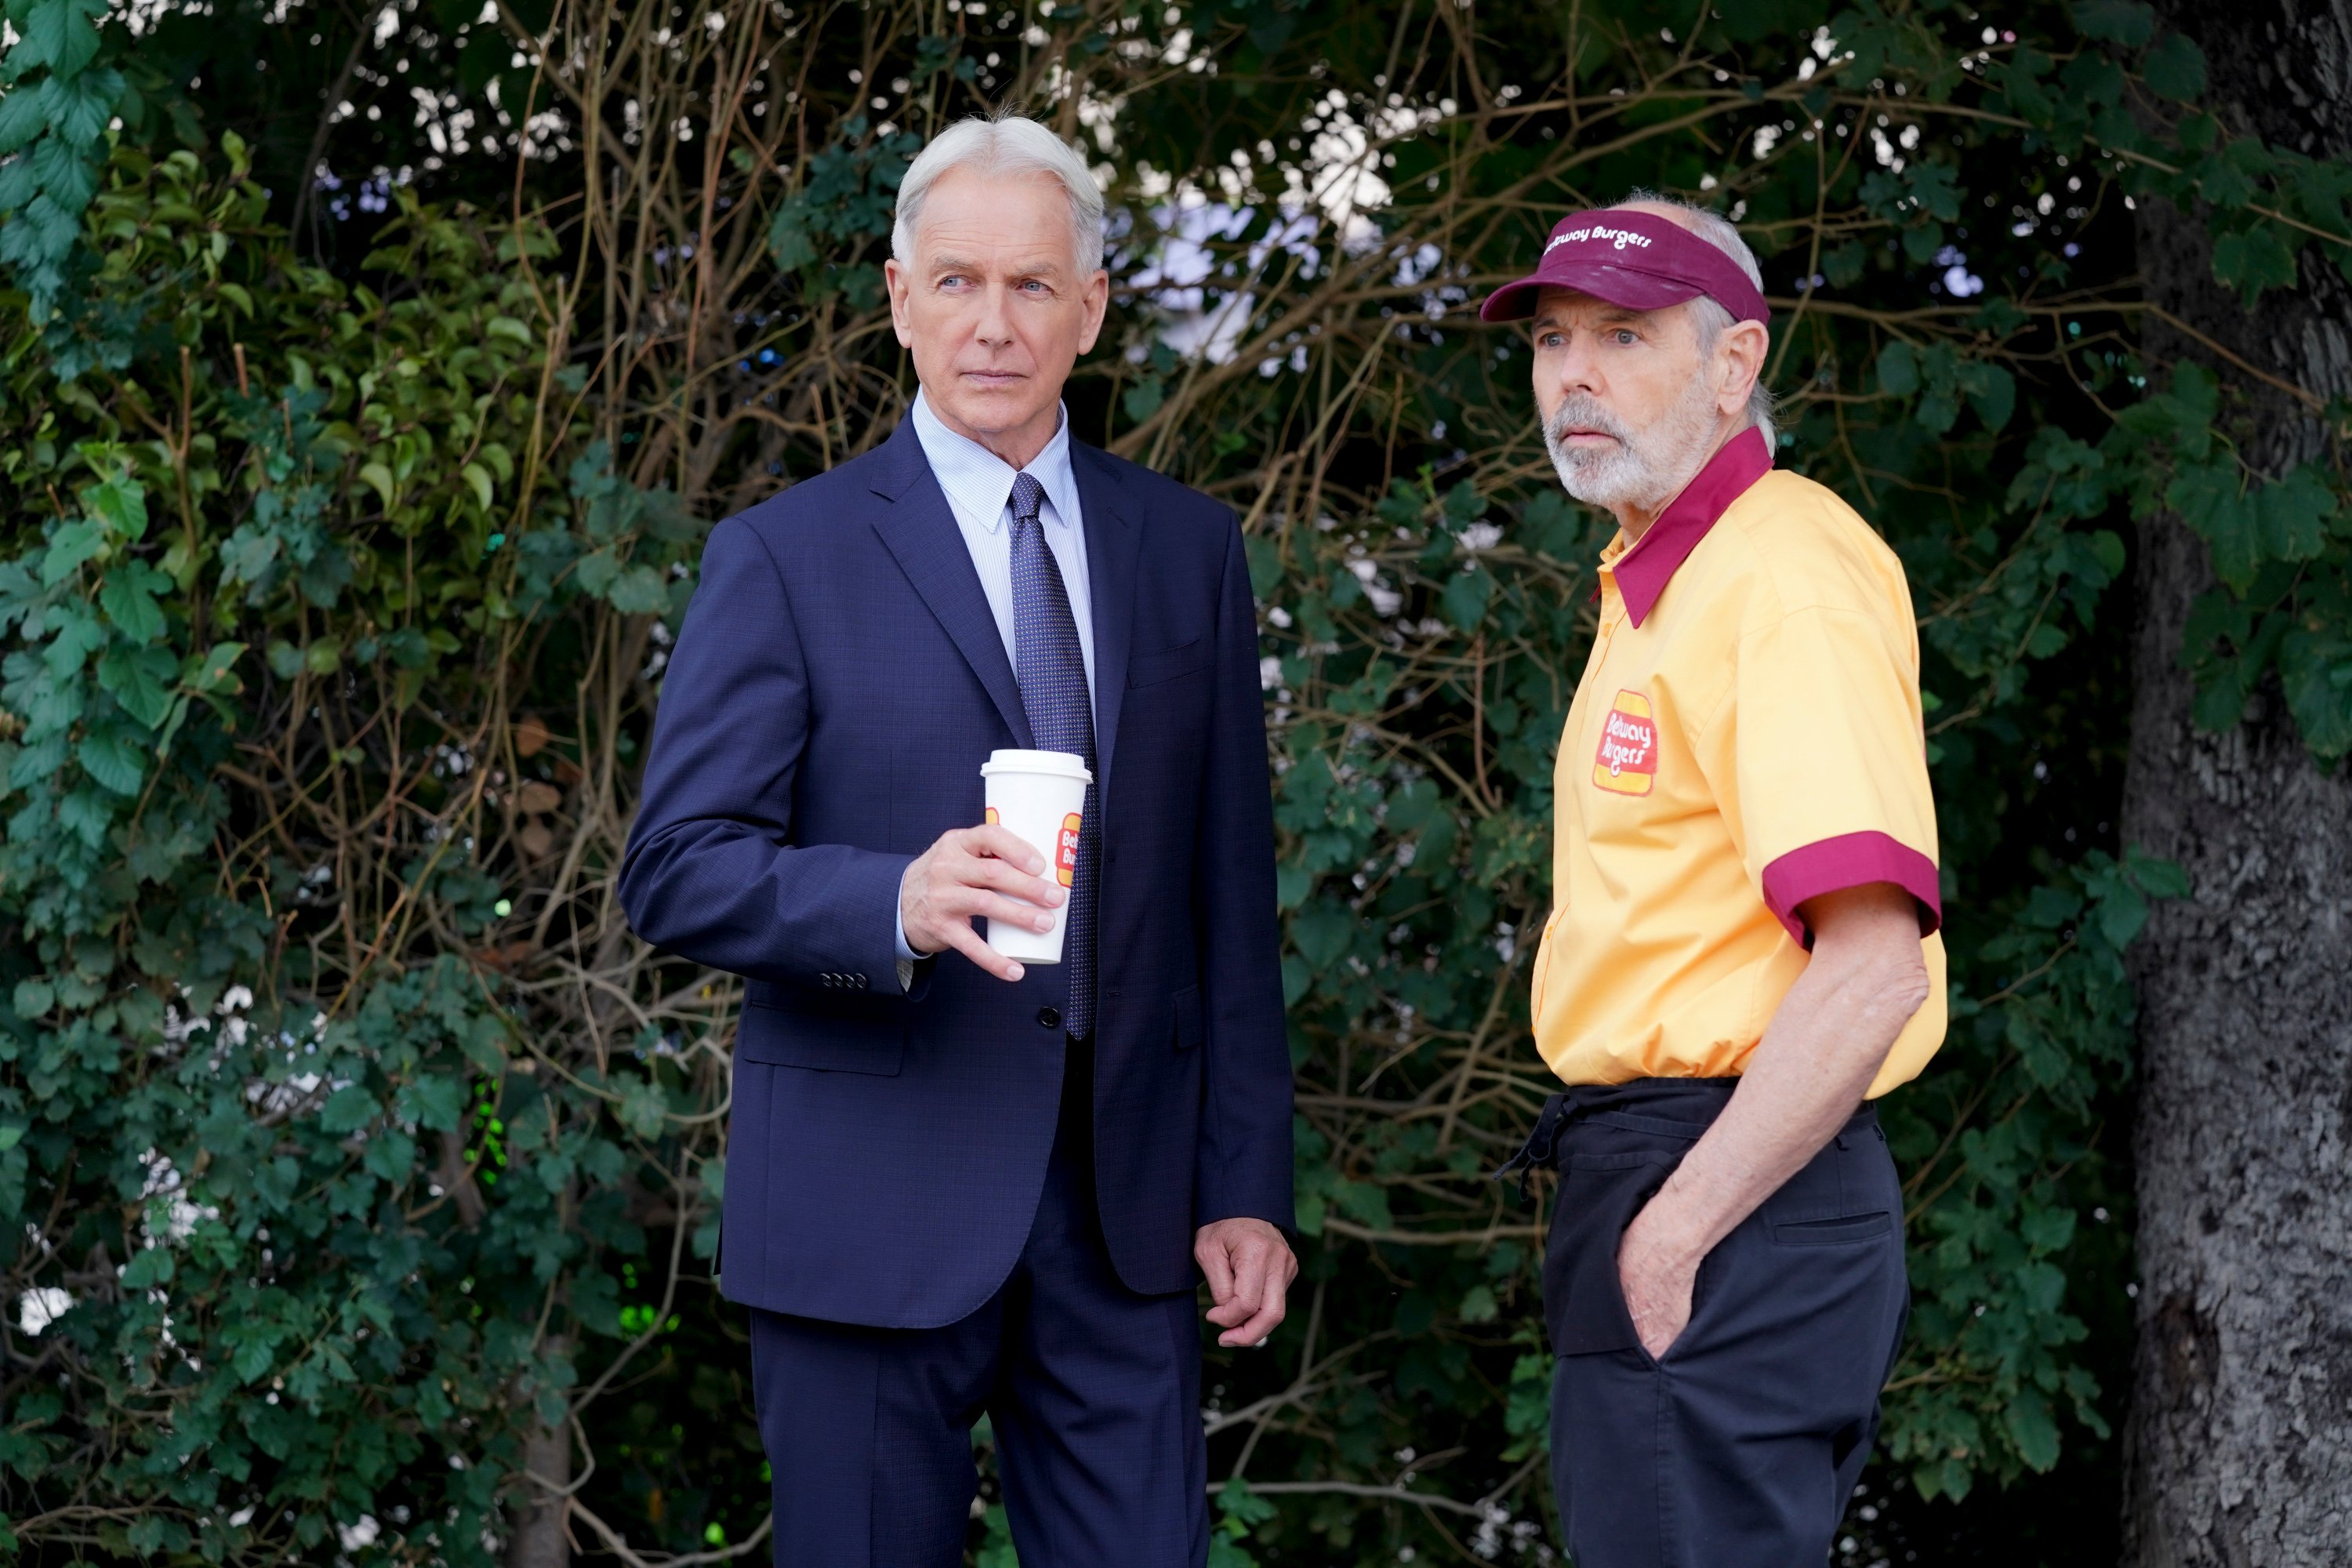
(1092,1391)
(1742,1443)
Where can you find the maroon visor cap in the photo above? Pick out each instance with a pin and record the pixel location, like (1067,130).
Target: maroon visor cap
(1637,260)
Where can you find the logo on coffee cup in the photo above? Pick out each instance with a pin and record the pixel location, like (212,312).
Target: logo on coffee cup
(1066,857)
(1626,763)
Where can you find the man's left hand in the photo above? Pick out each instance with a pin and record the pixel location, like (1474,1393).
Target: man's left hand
(1249,1268)
(1657,1272)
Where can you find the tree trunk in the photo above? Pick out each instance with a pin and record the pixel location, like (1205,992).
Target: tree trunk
(542,1514)
(2238,1452)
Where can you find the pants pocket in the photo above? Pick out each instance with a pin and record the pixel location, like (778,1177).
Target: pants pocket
(1584,1303)
(1834,1232)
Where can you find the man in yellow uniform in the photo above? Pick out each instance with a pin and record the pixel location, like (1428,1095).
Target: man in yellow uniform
(1743,952)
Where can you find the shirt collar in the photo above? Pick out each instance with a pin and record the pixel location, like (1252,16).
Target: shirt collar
(980,483)
(1643,571)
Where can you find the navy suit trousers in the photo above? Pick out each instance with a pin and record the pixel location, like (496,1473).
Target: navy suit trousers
(1742,1444)
(1093,1392)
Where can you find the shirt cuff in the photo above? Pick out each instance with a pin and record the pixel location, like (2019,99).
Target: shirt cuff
(1849,860)
(907,956)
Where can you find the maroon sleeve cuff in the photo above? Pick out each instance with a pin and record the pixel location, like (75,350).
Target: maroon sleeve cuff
(1849,860)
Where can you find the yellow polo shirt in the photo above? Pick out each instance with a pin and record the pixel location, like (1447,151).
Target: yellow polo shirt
(1747,736)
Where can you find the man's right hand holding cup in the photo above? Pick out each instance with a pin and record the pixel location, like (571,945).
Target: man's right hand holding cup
(971,873)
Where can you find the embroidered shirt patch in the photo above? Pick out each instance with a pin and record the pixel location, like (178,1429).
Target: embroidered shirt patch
(1627,761)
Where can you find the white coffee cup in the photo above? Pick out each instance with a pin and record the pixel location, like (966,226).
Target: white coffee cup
(1040,797)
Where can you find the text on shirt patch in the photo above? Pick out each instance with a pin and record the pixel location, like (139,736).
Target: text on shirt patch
(1627,759)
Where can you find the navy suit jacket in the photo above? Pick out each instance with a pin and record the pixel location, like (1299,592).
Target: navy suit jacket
(838,684)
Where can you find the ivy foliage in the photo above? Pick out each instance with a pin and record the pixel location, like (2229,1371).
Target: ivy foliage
(350,1145)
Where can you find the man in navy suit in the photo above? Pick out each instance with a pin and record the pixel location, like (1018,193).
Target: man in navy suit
(956,1185)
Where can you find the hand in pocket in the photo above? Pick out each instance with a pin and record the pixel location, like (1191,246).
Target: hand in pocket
(1656,1275)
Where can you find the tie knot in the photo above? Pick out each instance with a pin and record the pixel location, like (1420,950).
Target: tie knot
(1028,497)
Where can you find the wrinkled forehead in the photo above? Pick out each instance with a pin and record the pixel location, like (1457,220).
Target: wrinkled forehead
(1019,219)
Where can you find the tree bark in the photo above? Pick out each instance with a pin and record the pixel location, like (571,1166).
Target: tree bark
(2239,1448)
(542,1514)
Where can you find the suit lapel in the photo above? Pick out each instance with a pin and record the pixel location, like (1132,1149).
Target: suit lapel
(1114,545)
(921,531)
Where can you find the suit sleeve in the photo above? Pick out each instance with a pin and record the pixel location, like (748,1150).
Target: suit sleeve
(1244,1166)
(712,871)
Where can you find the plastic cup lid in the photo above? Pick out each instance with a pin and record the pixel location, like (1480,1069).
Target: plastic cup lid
(1059,764)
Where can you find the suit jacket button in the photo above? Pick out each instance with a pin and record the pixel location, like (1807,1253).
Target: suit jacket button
(1047,1018)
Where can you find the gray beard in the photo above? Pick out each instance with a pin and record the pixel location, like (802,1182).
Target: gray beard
(1641,472)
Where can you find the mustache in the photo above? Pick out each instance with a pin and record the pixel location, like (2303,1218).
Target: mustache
(1581,412)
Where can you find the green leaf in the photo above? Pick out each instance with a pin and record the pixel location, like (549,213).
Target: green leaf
(34,998)
(2122,914)
(1466,599)
(1237,1501)
(347,1110)
(21,120)
(2030,1425)
(436,1104)
(478,480)
(638,591)
(2293,515)
(2175,69)
(2115,21)
(1992,392)
(61,34)
(2211,502)
(120,503)
(115,761)
(789,240)
(1298,979)
(391,1155)
(1142,400)
(78,108)
(2253,260)
(140,679)
(129,600)
(643,1109)
(148,1268)
(1898,370)
(71,546)
(378,478)
(215,673)
(1321,933)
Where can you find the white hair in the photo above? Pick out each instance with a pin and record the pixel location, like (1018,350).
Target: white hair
(1010,146)
(1707,313)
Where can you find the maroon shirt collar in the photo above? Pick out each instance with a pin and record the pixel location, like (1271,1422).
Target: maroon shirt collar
(1644,571)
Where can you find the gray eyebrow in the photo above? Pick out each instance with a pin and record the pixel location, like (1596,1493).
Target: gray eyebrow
(1038,268)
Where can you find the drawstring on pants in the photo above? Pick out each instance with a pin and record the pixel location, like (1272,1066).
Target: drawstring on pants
(1536,1151)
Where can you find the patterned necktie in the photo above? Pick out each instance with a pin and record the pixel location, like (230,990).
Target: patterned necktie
(1052,669)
